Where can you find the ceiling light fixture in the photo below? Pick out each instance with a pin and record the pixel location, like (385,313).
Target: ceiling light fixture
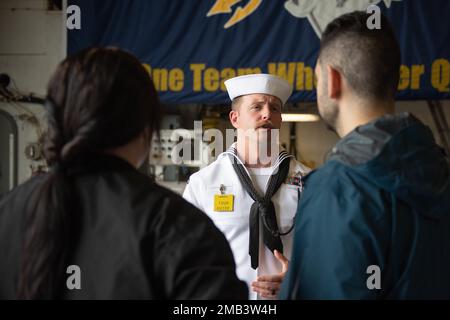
(299,117)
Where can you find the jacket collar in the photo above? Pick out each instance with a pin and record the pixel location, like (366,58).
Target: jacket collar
(99,163)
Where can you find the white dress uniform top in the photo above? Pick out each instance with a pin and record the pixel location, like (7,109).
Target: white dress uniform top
(220,178)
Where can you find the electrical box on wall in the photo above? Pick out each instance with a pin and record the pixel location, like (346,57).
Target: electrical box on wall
(179,147)
(175,156)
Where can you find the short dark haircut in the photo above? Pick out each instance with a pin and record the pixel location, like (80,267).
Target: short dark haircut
(369,59)
(236,103)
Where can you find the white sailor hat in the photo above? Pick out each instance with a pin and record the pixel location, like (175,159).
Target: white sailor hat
(259,83)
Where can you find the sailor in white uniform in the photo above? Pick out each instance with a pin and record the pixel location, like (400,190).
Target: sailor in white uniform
(252,190)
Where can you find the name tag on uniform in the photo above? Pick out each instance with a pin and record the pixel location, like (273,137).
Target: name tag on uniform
(224,202)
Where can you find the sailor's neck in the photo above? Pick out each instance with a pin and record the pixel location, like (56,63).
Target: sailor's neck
(256,156)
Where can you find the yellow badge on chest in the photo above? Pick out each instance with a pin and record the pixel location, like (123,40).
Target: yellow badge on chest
(224,202)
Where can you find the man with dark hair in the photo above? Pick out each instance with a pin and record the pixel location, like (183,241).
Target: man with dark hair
(374,221)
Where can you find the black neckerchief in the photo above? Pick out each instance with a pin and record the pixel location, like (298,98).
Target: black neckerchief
(263,207)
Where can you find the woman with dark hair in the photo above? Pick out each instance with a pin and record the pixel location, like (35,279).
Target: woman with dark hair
(94,213)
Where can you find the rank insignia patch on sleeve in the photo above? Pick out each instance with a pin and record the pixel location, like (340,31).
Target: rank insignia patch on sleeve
(296,180)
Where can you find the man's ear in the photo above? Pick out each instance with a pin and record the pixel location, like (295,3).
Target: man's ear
(335,81)
(234,114)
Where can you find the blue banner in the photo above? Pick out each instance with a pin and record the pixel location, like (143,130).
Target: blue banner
(191,46)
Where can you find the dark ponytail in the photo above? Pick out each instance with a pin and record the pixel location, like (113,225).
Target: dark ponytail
(50,226)
(97,99)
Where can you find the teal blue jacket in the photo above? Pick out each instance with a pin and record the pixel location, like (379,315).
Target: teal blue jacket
(382,199)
